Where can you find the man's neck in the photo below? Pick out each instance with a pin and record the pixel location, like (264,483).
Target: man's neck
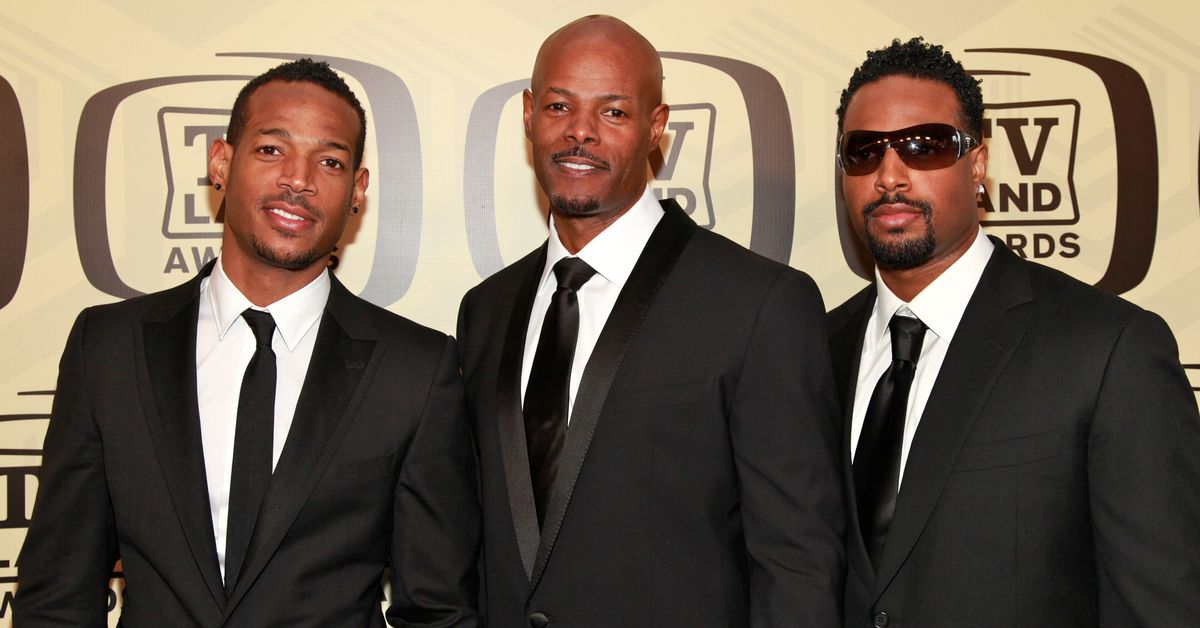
(263,287)
(907,283)
(576,231)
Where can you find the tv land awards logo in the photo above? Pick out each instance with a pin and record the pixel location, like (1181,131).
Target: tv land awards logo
(755,117)
(20,464)
(178,117)
(1035,188)
(14,193)
(1035,185)
(690,133)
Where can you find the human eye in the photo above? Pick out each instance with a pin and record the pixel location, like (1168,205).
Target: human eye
(330,162)
(924,146)
(868,150)
(615,113)
(268,149)
(557,107)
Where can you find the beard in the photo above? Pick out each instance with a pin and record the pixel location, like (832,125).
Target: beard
(294,261)
(575,207)
(900,254)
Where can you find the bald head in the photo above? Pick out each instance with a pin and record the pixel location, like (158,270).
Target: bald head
(595,33)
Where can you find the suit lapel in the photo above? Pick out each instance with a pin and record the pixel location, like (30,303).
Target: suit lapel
(340,366)
(845,349)
(982,346)
(511,421)
(168,339)
(653,266)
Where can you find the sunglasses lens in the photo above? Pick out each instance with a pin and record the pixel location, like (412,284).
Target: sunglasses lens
(927,147)
(862,151)
(921,147)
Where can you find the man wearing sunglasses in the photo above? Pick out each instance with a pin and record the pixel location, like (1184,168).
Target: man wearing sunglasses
(1021,449)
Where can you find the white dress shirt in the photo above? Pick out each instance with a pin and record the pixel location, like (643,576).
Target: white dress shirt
(940,306)
(224,346)
(613,253)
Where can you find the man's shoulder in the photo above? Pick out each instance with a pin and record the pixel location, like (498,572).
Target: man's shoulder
(1069,297)
(362,318)
(718,259)
(505,281)
(850,309)
(140,306)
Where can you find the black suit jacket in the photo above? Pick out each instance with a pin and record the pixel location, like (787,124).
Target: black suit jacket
(377,466)
(698,484)
(1053,477)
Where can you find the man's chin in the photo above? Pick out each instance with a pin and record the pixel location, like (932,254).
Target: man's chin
(287,260)
(900,253)
(575,206)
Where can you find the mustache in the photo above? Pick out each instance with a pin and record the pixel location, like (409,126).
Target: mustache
(579,151)
(889,199)
(298,200)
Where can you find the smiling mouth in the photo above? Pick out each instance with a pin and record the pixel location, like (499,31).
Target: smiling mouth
(285,214)
(577,166)
(579,160)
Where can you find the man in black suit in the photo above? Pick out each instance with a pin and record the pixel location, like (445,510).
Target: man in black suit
(1021,449)
(257,444)
(696,483)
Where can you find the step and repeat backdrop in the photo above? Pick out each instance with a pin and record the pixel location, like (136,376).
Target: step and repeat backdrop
(107,110)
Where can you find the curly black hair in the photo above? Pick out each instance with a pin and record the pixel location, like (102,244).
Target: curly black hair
(303,71)
(919,59)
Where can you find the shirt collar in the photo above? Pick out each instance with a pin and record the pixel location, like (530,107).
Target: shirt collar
(614,251)
(942,303)
(294,314)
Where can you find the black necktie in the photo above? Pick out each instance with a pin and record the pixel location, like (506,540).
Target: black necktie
(880,444)
(251,445)
(546,393)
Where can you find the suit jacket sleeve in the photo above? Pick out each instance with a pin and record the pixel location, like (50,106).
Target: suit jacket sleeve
(784,432)
(69,551)
(437,520)
(1144,470)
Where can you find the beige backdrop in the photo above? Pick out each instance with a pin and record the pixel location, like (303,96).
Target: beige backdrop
(106,109)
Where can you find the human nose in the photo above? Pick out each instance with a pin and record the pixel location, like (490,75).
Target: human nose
(892,174)
(296,176)
(581,129)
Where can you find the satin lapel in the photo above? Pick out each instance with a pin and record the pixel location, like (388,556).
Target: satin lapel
(845,348)
(652,268)
(340,368)
(168,339)
(990,331)
(511,420)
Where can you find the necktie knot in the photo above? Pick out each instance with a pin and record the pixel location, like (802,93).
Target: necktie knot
(262,324)
(907,336)
(572,273)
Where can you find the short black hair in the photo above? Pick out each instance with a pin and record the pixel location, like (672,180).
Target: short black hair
(919,59)
(306,71)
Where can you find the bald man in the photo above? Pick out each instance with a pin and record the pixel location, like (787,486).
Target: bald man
(653,404)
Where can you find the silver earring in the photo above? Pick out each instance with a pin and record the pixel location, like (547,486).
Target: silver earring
(981,189)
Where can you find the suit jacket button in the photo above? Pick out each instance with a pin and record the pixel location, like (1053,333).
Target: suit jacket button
(538,620)
(881,620)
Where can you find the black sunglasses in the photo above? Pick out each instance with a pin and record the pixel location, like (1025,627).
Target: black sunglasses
(922,147)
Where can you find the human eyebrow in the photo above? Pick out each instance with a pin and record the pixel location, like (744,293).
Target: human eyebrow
(335,145)
(275,132)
